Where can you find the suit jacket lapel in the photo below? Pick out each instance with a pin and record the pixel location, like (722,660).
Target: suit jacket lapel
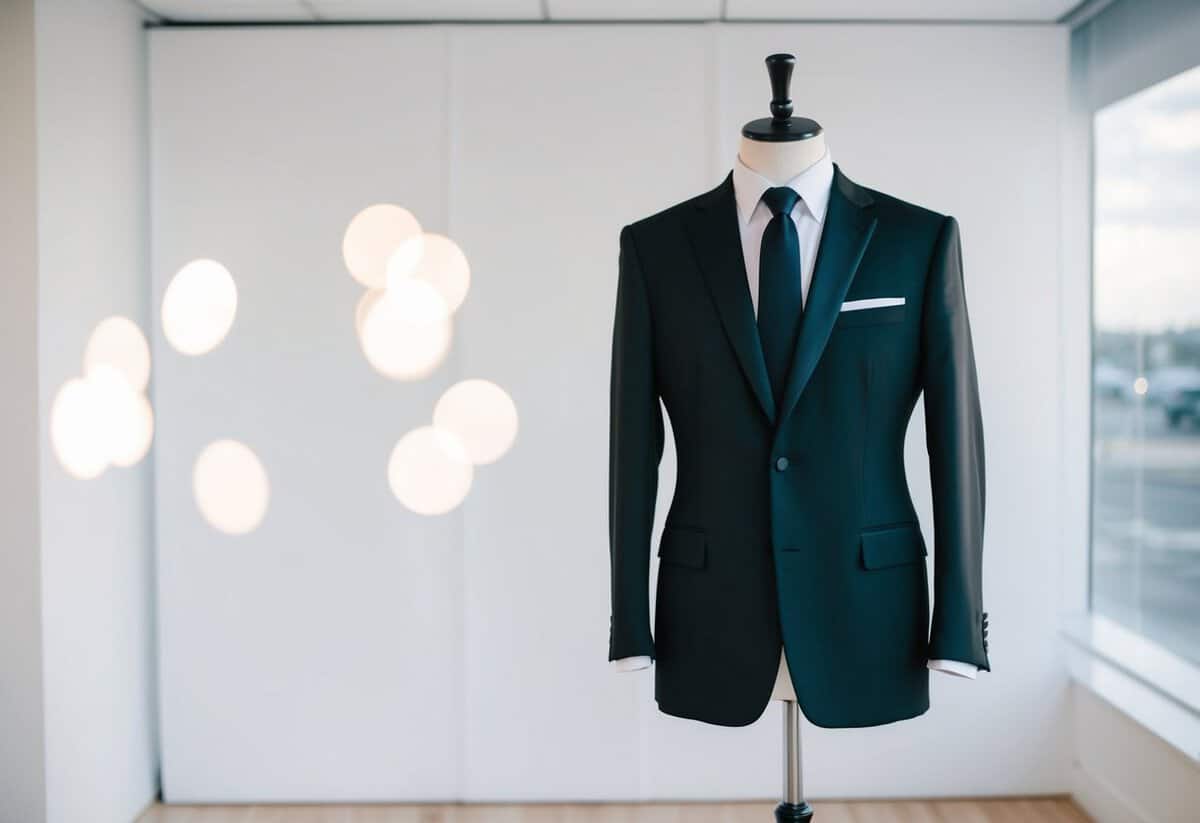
(849,225)
(716,239)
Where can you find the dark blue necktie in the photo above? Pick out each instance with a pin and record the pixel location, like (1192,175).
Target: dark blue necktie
(780,299)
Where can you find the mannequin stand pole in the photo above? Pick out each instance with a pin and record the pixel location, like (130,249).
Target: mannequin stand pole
(793,809)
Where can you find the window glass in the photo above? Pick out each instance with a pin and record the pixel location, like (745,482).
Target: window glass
(1146,364)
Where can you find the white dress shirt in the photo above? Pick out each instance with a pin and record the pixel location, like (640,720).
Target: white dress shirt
(813,185)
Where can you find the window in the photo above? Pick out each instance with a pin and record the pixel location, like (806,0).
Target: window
(1145,555)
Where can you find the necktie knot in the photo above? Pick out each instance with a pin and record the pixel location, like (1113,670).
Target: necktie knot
(780,200)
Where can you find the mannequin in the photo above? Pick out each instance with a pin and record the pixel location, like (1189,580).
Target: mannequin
(779,149)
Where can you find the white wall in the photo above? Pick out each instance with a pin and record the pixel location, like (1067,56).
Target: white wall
(96,560)
(1122,773)
(22,752)
(350,649)
(545,716)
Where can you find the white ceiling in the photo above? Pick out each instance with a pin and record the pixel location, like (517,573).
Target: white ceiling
(241,11)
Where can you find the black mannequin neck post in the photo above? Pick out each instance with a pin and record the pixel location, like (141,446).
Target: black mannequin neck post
(781,146)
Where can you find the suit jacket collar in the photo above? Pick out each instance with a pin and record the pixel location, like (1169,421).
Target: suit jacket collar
(715,235)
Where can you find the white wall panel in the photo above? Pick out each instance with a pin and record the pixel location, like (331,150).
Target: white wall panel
(318,657)
(561,136)
(97,535)
(556,137)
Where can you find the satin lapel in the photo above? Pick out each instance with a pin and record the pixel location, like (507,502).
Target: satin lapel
(716,240)
(849,225)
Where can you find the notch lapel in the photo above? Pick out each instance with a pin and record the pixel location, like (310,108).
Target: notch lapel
(849,225)
(717,242)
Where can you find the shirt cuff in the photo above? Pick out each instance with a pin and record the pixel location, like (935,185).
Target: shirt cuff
(632,664)
(955,667)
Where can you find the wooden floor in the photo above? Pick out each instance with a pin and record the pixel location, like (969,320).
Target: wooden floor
(1038,810)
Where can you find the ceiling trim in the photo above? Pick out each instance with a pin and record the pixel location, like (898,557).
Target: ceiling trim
(165,22)
(1082,11)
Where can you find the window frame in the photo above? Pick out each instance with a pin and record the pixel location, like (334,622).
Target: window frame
(1155,686)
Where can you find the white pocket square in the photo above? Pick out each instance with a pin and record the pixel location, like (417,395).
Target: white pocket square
(872,303)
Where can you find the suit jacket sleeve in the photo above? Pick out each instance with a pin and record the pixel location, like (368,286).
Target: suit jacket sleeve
(954,439)
(635,449)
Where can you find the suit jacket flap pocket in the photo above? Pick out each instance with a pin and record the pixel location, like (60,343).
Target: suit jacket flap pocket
(683,546)
(892,546)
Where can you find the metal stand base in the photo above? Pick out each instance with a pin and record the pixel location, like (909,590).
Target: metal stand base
(793,813)
(793,809)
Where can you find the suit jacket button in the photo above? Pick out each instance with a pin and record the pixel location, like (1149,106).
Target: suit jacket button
(781,464)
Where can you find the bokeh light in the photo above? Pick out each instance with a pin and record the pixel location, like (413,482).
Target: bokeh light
(364,305)
(481,415)
(376,235)
(100,420)
(444,266)
(130,450)
(117,341)
(76,431)
(125,420)
(405,331)
(199,306)
(404,260)
(429,471)
(231,487)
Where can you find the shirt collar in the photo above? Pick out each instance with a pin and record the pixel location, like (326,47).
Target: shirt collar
(812,185)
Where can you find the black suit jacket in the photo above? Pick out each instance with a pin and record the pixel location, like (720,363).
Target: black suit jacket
(795,529)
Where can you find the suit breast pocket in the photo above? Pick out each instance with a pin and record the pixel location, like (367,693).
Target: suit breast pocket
(870,317)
